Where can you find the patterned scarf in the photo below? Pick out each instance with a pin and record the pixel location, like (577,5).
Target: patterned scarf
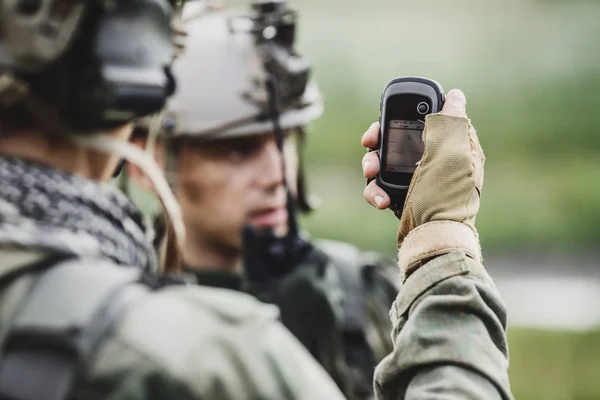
(48,209)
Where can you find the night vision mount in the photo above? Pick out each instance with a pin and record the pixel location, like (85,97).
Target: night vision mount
(273,25)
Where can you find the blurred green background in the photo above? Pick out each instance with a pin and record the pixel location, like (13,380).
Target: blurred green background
(531,73)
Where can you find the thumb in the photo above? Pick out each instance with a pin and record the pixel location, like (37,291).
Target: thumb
(456,104)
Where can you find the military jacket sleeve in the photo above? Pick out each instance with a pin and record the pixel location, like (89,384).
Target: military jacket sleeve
(449,336)
(191,343)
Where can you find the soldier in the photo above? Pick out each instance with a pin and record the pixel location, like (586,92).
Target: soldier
(222,150)
(79,318)
(449,319)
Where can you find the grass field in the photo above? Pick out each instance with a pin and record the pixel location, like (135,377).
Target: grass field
(554,365)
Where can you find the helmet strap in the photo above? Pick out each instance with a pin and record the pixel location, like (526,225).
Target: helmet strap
(274,114)
(306,202)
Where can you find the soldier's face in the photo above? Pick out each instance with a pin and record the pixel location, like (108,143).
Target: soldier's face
(225,184)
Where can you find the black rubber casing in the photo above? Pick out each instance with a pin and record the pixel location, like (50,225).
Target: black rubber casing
(402,86)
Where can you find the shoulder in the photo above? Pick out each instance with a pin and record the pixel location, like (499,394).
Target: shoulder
(366,266)
(370,284)
(207,343)
(339,251)
(177,323)
(183,342)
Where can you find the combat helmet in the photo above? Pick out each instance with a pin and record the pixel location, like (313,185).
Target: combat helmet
(225,72)
(225,67)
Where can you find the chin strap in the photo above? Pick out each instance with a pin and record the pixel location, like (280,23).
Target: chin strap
(306,202)
(145,162)
(274,115)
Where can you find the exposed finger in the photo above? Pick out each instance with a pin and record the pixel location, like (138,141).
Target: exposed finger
(370,164)
(455,104)
(375,196)
(370,138)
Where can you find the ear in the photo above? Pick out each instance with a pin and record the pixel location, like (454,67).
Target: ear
(135,173)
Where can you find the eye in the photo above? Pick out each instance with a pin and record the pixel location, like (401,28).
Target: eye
(243,149)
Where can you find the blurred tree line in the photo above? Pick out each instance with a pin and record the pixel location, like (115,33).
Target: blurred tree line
(531,73)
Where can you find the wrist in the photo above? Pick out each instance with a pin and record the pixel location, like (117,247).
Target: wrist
(434,239)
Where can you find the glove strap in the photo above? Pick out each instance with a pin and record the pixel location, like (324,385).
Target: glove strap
(434,239)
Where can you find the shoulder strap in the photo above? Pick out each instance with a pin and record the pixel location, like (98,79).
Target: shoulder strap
(17,262)
(70,308)
(347,261)
(366,325)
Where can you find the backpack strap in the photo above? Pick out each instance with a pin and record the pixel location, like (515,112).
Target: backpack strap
(17,262)
(69,310)
(367,282)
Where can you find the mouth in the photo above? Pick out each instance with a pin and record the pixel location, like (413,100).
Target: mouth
(268,217)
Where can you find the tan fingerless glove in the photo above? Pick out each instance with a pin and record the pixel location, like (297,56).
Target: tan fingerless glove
(443,198)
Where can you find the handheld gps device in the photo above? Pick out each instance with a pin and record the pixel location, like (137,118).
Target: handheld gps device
(404,104)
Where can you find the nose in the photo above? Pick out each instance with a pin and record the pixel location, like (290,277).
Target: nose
(270,173)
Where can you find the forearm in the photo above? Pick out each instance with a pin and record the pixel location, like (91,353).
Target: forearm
(449,335)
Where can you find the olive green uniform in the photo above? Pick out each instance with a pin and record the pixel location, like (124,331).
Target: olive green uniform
(449,335)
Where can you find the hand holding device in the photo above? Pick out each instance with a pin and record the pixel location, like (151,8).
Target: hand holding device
(444,195)
(404,104)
